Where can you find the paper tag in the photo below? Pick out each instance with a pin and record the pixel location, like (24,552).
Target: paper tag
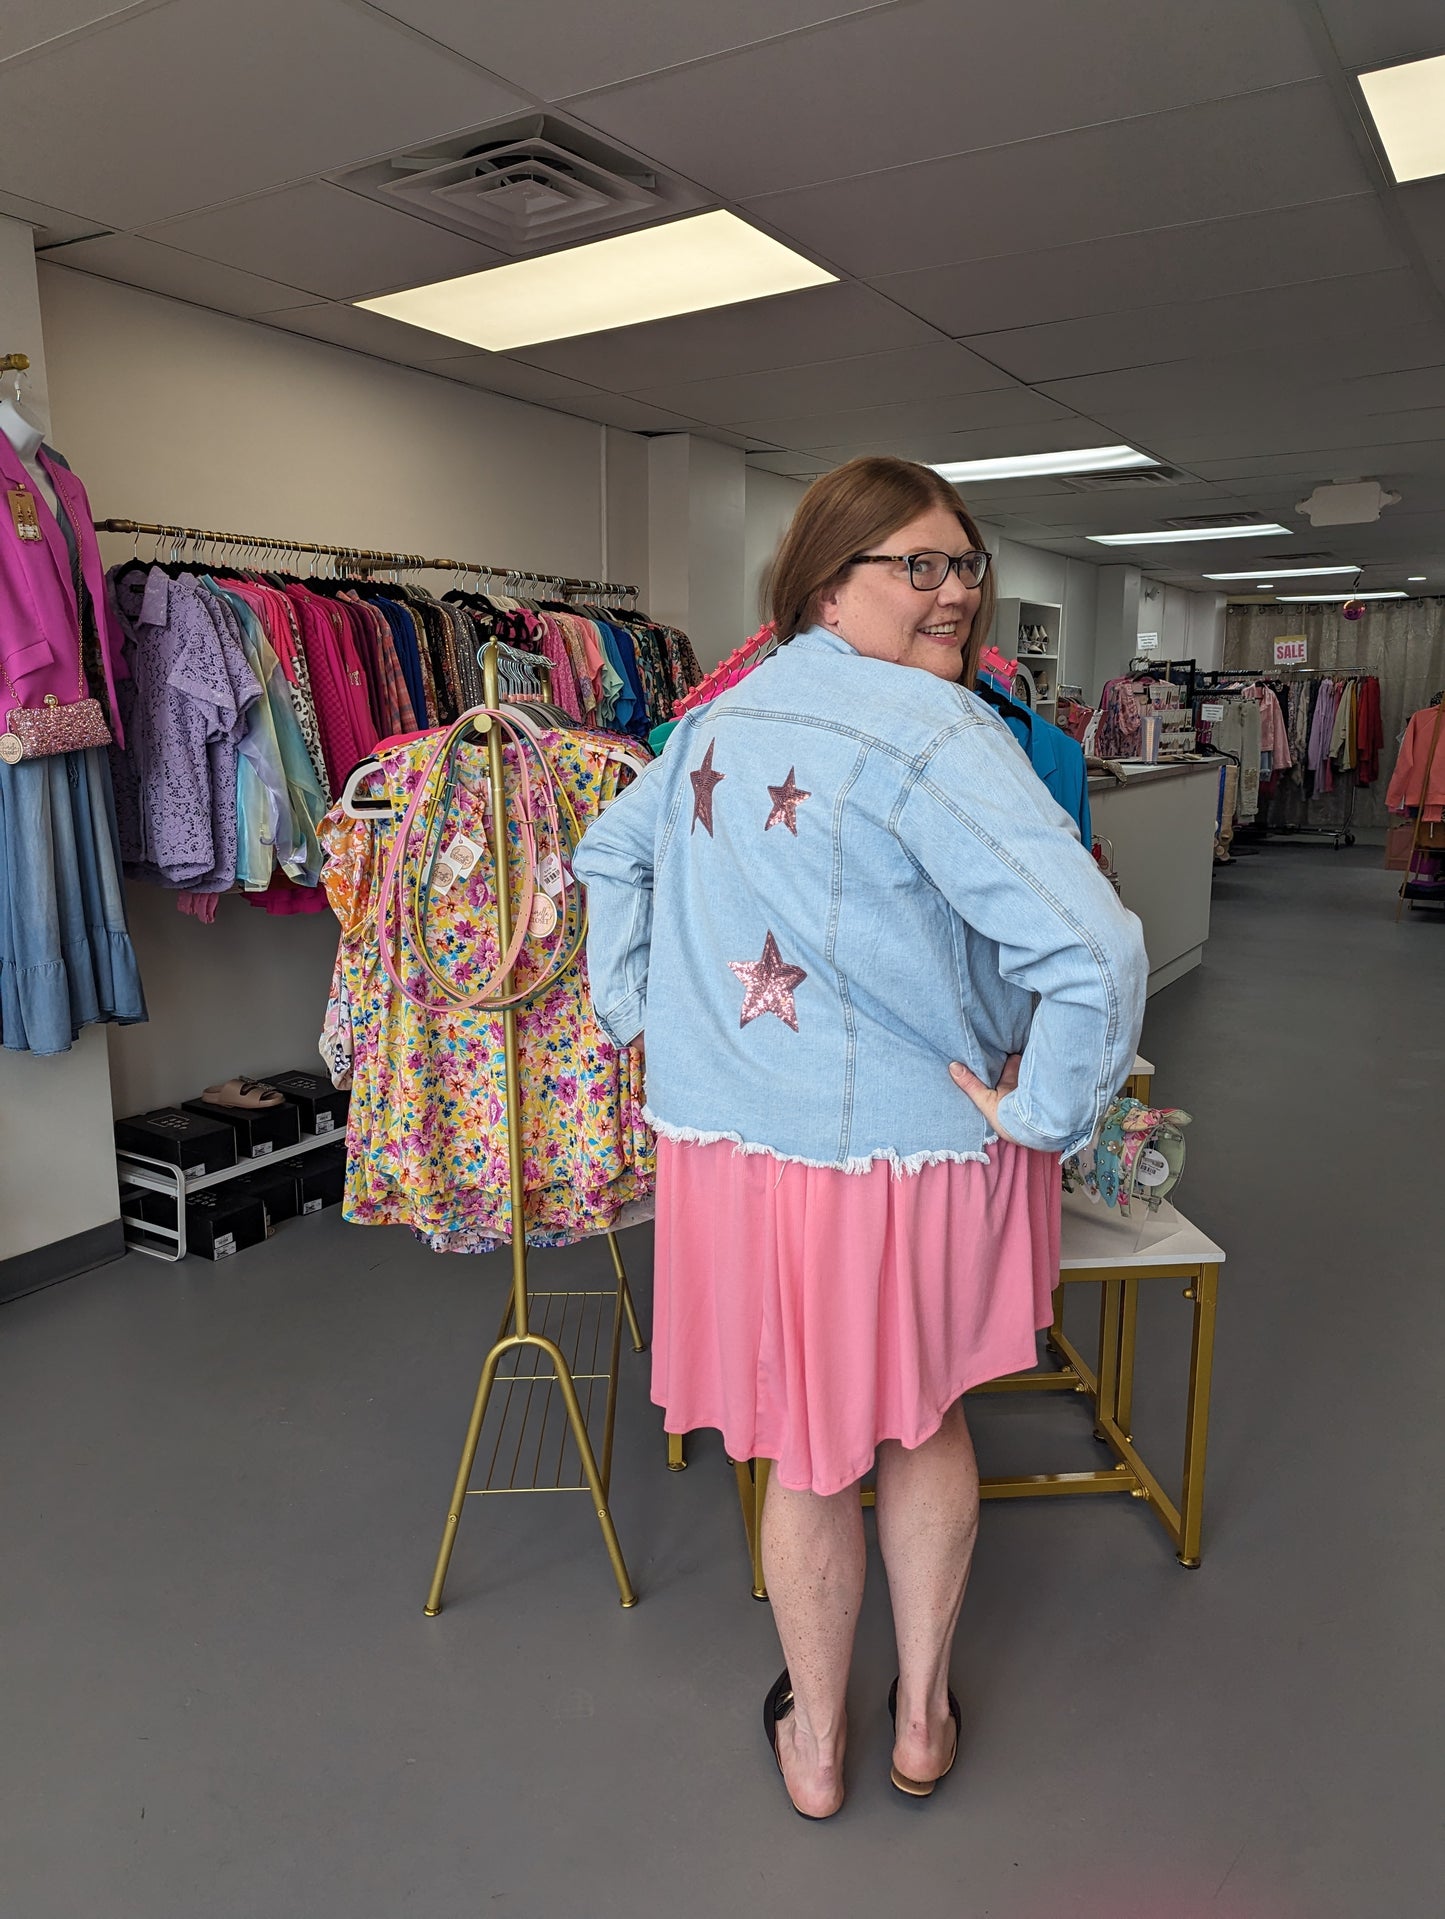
(1152,1169)
(23,514)
(325,1122)
(550,875)
(11,750)
(266,1146)
(155,602)
(1211,712)
(1148,642)
(224,1243)
(311,1206)
(455,862)
(544,917)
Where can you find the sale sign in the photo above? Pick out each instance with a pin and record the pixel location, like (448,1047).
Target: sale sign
(1292,651)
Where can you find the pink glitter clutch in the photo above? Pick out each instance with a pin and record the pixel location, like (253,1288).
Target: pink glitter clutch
(58,726)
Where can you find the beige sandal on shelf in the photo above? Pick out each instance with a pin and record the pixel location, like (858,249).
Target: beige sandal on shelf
(245,1095)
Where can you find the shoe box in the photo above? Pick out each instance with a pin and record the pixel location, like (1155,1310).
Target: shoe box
(196,1142)
(322,1108)
(219,1222)
(257,1132)
(278,1188)
(323,1177)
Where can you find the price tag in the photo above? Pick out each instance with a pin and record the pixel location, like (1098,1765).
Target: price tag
(1293,650)
(1152,1170)
(23,514)
(1210,713)
(325,1122)
(266,1146)
(544,917)
(550,876)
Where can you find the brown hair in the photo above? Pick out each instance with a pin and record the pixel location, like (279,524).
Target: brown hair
(846,512)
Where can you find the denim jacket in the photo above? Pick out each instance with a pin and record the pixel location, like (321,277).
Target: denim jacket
(842,875)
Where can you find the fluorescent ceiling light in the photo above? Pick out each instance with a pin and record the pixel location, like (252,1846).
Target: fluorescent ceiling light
(1179,536)
(707,260)
(1265,586)
(1408,105)
(1416,579)
(1023,466)
(1317,599)
(1286,573)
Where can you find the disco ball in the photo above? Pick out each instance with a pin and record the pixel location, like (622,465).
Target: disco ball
(1353,609)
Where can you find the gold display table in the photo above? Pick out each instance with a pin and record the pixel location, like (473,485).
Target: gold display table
(1119,1255)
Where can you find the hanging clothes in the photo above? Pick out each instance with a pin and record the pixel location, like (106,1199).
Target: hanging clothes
(427,1131)
(66,958)
(1410,790)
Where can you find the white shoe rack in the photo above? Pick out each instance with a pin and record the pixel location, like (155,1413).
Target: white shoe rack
(159,1176)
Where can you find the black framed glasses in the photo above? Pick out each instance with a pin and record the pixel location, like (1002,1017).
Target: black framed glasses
(928,571)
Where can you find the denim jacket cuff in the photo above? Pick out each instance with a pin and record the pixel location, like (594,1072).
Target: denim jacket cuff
(623,1023)
(1017,1128)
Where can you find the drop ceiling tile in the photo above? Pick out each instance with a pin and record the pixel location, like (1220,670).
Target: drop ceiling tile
(1306,470)
(28,24)
(792,329)
(184,105)
(496,373)
(900,85)
(1421,386)
(794,466)
(934,419)
(363,332)
(335,244)
(562,47)
(1325,435)
(1202,261)
(1238,156)
(52,227)
(1367,34)
(873,379)
(160,269)
(1321,312)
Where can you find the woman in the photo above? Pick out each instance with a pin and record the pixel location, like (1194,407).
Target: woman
(883,988)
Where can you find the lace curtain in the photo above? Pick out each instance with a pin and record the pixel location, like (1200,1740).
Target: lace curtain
(1402,642)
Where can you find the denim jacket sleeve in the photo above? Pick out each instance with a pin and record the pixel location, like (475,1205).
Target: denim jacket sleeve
(614,861)
(984,830)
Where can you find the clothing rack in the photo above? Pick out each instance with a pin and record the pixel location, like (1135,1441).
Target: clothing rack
(1408,888)
(577,1317)
(1219,679)
(367,559)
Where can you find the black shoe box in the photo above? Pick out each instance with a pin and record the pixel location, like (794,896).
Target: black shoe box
(323,1178)
(219,1222)
(193,1141)
(278,1189)
(323,1109)
(258,1132)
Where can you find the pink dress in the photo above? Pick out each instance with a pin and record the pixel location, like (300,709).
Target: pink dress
(809,1313)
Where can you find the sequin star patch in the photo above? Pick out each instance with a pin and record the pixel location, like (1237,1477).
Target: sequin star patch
(786,800)
(704,785)
(770,983)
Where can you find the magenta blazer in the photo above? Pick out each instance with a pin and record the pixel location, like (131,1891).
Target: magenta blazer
(39,620)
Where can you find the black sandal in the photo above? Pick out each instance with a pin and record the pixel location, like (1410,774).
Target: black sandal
(777,1705)
(921,1788)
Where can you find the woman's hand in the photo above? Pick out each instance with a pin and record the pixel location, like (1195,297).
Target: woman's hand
(986,1098)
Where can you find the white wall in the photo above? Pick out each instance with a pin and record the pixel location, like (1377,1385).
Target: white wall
(169,412)
(57,1159)
(770,503)
(1031,573)
(1190,625)
(698,515)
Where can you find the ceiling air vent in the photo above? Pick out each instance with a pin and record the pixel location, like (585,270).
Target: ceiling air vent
(1206,522)
(1127,481)
(523,187)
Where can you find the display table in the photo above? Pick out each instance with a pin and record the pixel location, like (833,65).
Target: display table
(1160,823)
(1118,1254)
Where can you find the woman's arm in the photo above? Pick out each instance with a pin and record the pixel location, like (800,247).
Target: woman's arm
(614,861)
(986,833)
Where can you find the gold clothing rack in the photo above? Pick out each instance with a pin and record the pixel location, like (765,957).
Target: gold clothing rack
(364,557)
(562,1345)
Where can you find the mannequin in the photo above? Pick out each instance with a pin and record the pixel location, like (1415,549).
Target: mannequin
(26,439)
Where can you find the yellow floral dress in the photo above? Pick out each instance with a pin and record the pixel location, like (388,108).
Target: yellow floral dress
(427,1134)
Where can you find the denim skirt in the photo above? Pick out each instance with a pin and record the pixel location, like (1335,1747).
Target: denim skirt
(66,959)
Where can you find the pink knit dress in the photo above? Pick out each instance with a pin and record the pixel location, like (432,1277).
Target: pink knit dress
(808,1313)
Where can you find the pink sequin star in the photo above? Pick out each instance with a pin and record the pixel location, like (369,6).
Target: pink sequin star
(786,800)
(704,784)
(770,985)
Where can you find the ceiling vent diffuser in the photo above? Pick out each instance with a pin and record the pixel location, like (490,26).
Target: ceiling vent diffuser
(1206,522)
(523,187)
(1129,481)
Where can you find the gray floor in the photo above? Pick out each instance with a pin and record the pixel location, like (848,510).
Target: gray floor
(223,1487)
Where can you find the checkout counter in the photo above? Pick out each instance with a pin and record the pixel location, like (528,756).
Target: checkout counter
(1160,823)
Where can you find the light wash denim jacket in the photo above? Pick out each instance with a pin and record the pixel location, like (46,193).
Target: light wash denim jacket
(841,875)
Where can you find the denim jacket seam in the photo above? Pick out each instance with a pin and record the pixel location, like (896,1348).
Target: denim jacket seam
(830,948)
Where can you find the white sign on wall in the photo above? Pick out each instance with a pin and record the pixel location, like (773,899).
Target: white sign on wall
(1148,642)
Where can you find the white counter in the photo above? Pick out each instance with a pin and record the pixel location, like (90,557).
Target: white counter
(1161,823)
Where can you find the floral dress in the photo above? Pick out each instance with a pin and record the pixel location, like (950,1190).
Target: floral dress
(427,1134)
